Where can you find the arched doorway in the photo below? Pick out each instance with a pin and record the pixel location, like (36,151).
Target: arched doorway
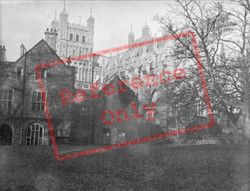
(34,134)
(5,134)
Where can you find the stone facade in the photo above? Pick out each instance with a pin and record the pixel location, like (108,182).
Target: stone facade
(22,102)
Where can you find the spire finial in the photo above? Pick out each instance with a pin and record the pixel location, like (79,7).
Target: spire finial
(55,15)
(90,11)
(64,5)
(80,19)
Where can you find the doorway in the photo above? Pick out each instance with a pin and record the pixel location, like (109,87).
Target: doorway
(5,134)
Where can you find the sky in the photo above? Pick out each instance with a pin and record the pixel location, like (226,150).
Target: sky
(26,21)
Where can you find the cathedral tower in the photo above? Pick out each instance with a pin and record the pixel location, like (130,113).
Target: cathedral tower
(74,41)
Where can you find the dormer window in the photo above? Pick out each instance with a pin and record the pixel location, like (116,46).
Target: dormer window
(71,36)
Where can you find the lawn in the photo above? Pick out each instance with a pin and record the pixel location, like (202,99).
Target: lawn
(146,167)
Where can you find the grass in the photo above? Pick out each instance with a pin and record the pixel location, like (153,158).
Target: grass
(146,167)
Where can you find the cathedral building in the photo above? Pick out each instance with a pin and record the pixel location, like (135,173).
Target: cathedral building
(72,40)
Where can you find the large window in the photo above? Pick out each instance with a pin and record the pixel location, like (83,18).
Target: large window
(38,100)
(34,134)
(83,38)
(6,97)
(71,36)
(77,37)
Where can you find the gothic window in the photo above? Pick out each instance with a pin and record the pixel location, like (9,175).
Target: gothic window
(155,96)
(90,75)
(34,134)
(86,75)
(77,37)
(71,36)
(80,74)
(87,51)
(38,101)
(77,72)
(83,38)
(80,51)
(83,74)
(83,51)
(6,97)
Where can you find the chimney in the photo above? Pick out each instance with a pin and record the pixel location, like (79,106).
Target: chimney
(51,38)
(2,53)
(22,50)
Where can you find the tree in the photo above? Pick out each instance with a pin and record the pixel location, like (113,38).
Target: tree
(239,43)
(210,23)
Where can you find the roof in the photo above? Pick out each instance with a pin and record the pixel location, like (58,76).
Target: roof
(126,96)
(41,41)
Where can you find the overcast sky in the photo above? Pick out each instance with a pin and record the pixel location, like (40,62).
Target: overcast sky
(26,21)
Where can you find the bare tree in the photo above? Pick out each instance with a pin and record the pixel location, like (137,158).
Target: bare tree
(238,43)
(210,23)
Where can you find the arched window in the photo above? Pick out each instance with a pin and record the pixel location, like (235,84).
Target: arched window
(80,74)
(71,36)
(86,75)
(80,51)
(90,75)
(87,50)
(83,74)
(77,37)
(83,38)
(83,51)
(77,73)
(154,97)
(34,134)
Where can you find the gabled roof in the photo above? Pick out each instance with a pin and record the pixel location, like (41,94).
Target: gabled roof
(126,97)
(46,44)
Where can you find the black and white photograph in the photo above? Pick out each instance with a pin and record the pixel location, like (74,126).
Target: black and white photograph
(126,95)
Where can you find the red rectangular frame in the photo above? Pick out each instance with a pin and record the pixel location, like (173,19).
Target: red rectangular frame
(56,152)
